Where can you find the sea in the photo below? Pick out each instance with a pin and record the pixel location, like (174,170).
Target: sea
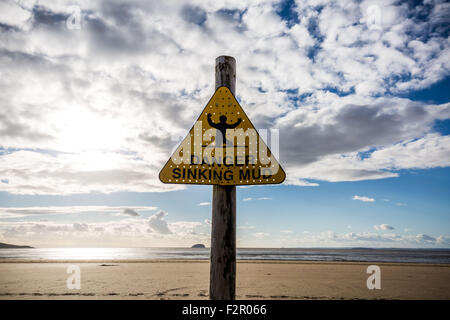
(431,256)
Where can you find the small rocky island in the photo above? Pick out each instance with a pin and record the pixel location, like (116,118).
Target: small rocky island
(198,245)
(12,246)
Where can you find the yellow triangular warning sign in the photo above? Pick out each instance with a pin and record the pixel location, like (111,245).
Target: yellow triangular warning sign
(223,147)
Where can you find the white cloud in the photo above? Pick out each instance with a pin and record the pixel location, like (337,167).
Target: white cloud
(187,229)
(425,238)
(259,199)
(443,240)
(14,212)
(246,227)
(81,227)
(158,224)
(363,198)
(367,239)
(426,150)
(130,212)
(132,231)
(95,109)
(31,172)
(12,14)
(260,234)
(286,231)
(204,203)
(346,239)
(384,227)
(137,232)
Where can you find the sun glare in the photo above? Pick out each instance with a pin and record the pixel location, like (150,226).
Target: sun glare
(81,130)
(90,140)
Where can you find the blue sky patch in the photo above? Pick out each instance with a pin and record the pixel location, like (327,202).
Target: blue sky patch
(286,10)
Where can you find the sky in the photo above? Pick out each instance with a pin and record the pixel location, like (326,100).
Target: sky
(96,94)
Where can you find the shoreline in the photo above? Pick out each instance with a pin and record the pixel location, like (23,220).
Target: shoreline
(309,262)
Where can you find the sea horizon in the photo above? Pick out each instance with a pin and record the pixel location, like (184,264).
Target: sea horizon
(316,254)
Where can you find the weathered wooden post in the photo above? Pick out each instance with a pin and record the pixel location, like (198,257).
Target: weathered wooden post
(222,284)
(184,167)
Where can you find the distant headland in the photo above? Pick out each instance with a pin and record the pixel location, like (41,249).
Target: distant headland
(198,245)
(12,246)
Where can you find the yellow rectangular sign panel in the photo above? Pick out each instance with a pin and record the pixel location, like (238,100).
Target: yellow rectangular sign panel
(223,147)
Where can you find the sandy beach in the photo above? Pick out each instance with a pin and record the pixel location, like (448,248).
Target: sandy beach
(190,280)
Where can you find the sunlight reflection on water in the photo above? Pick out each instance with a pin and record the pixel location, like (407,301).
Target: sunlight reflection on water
(287,254)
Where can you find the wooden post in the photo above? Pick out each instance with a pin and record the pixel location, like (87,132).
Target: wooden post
(222,283)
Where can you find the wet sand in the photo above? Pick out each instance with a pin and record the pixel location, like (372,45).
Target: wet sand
(190,280)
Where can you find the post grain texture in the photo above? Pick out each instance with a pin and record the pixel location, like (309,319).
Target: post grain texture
(223,230)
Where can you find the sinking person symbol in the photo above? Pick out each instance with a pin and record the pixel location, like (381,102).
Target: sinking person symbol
(222,126)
